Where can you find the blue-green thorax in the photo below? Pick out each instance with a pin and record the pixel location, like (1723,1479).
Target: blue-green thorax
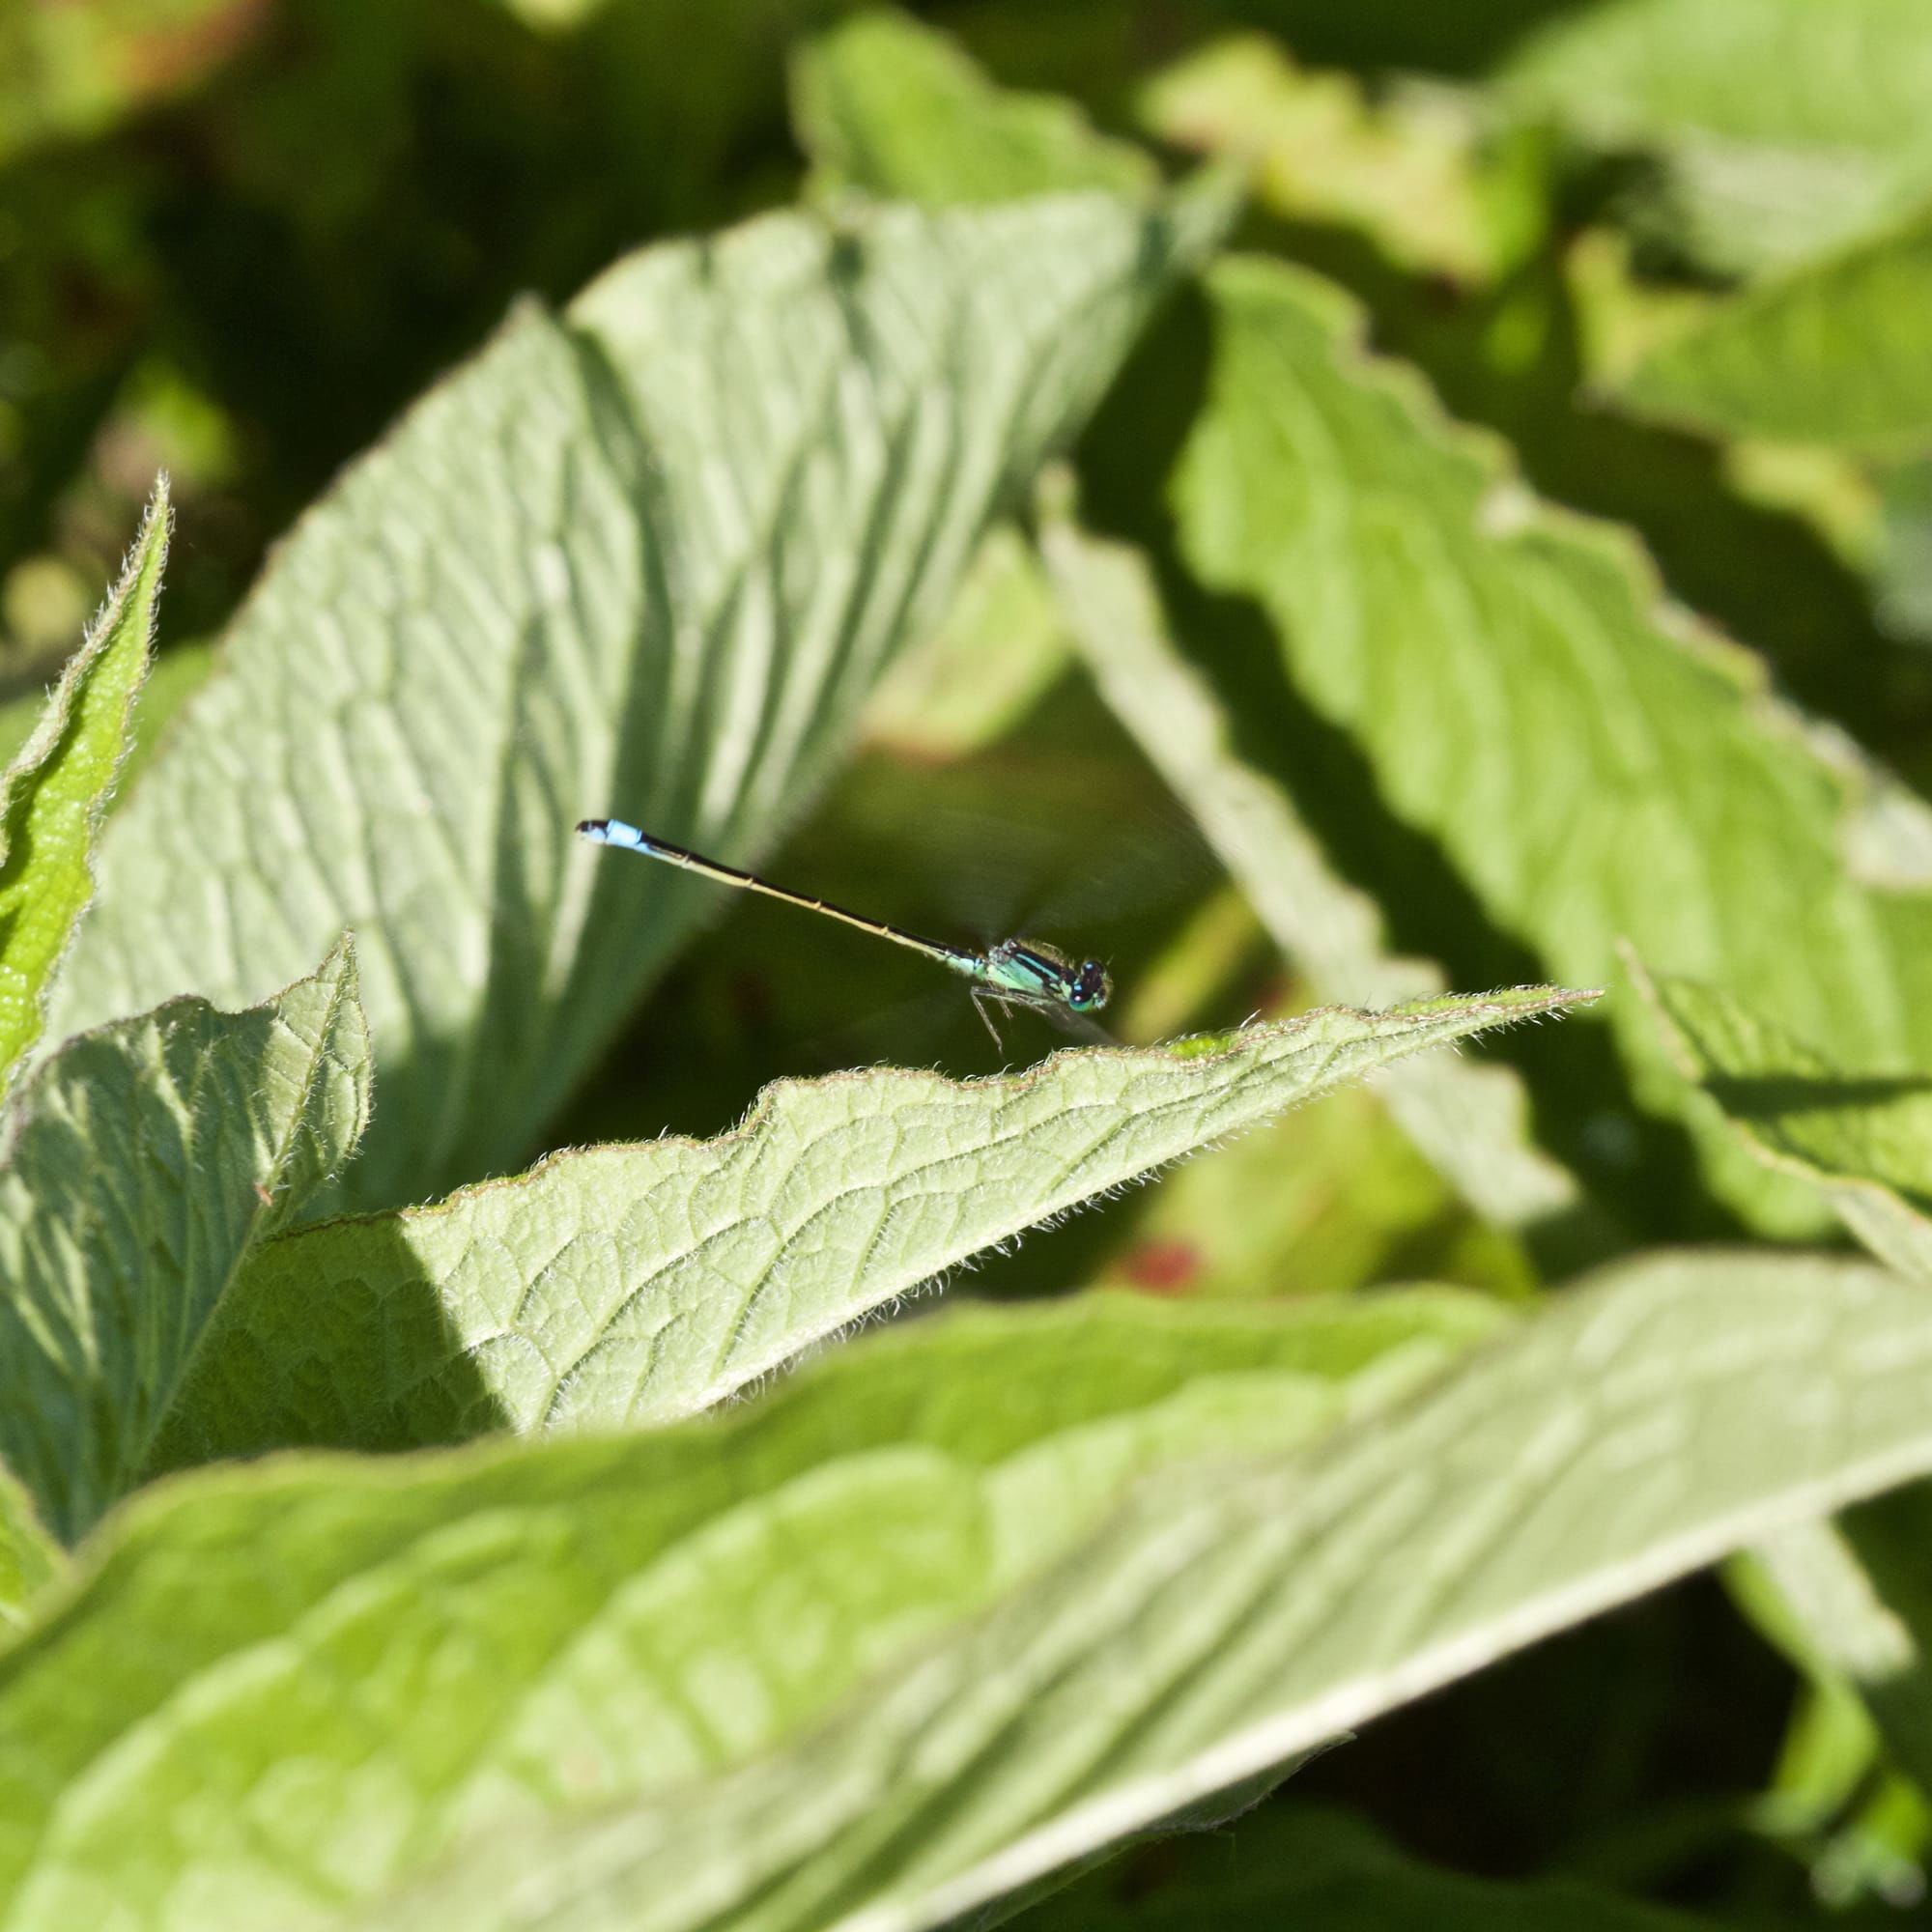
(1022,969)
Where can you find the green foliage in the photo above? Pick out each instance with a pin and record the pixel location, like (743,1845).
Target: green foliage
(1591,766)
(1829,354)
(665,1555)
(951,502)
(1783,128)
(593,535)
(879,97)
(622,1286)
(1469,1120)
(52,792)
(1226,1619)
(216,1129)
(1864,1140)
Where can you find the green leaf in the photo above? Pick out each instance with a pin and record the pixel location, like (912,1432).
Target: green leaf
(1864,1140)
(145,1163)
(1407,172)
(1314,1869)
(628,1285)
(541,1631)
(1228,1618)
(649,559)
(999,648)
(55,788)
(1867,1145)
(1590,763)
(887,105)
(29,1557)
(1787,126)
(1470,1121)
(1831,1614)
(1832,353)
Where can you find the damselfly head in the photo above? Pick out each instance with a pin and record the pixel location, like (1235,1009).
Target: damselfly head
(1090,989)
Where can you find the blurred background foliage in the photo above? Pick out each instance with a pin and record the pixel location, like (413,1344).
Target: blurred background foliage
(238,235)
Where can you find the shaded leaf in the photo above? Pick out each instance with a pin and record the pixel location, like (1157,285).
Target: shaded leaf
(628,1285)
(1591,764)
(1471,1121)
(144,1163)
(1840,1622)
(1904,563)
(1864,1140)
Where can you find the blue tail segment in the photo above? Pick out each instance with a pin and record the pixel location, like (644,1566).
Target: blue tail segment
(611,831)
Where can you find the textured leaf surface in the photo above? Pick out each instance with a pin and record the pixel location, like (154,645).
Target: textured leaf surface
(884,104)
(651,561)
(54,791)
(1864,1140)
(636,1284)
(144,1163)
(1591,765)
(1788,126)
(1471,1121)
(1228,1619)
(1833,353)
(535,1632)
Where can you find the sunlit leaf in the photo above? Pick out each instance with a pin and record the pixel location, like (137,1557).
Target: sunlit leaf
(536,1632)
(1406,172)
(1228,1619)
(1470,1121)
(1864,1140)
(55,788)
(626,1284)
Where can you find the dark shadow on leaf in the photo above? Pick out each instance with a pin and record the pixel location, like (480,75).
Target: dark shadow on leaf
(334,1338)
(1764,1097)
(1637,1167)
